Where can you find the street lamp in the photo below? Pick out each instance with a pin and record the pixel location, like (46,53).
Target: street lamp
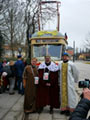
(19,50)
(73,51)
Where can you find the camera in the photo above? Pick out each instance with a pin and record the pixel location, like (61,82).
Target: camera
(84,84)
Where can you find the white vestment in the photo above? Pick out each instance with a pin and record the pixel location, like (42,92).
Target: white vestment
(72,77)
(52,67)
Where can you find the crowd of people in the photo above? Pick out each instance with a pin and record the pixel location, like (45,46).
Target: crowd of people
(11,75)
(50,84)
(46,84)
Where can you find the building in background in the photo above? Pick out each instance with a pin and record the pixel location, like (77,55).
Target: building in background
(7,53)
(70,51)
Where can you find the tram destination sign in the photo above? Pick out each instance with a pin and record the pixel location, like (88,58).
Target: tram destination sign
(48,40)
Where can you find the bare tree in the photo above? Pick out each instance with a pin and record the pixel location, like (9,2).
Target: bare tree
(1,44)
(11,23)
(20,19)
(87,42)
(33,13)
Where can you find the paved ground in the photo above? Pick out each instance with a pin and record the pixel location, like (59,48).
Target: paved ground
(11,106)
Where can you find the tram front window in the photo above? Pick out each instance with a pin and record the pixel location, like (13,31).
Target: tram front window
(53,50)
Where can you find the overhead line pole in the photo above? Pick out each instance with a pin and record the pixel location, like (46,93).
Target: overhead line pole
(58,15)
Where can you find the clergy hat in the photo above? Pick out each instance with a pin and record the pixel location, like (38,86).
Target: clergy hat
(65,53)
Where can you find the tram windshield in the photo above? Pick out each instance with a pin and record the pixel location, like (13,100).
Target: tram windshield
(54,51)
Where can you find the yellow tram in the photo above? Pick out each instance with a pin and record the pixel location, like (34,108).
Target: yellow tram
(48,43)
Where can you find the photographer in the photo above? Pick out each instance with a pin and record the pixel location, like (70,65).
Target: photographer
(81,111)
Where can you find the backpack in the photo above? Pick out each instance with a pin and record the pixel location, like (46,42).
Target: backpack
(7,69)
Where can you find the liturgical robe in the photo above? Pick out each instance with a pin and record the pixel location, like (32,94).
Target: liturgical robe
(48,95)
(68,76)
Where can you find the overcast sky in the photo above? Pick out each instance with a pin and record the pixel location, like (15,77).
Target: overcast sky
(75,20)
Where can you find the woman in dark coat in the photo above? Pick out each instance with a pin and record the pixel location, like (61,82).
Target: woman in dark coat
(11,77)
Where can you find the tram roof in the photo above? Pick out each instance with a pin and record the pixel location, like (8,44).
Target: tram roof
(44,34)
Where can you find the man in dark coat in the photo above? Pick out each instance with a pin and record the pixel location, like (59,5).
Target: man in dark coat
(81,111)
(19,68)
(48,89)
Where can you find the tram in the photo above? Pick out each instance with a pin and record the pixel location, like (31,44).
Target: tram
(48,43)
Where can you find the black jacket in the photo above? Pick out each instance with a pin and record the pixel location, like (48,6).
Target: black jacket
(81,111)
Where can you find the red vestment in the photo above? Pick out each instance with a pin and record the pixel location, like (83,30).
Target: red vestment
(48,95)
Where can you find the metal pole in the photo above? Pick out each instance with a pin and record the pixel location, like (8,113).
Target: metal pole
(39,16)
(58,17)
(73,51)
